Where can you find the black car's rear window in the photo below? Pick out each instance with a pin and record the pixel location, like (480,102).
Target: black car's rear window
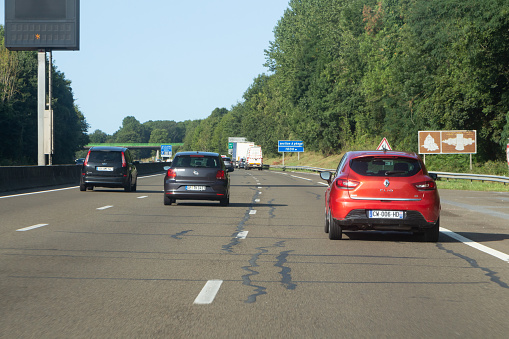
(196,161)
(379,166)
(105,156)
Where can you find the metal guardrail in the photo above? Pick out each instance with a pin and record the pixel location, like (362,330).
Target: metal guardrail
(472,177)
(445,175)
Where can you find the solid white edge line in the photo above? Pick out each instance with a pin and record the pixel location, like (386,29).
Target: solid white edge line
(39,192)
(31,227)
(208,292)
(60,189)
(104,207)
(471,243)
(242,234)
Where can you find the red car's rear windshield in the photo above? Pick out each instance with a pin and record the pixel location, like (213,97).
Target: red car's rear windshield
(196,161)
(389,166)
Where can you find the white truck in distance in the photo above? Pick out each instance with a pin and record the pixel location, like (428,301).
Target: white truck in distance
(240,151)
(254,158)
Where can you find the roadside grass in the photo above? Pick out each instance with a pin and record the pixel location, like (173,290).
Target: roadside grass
(306,159)
(317,160)
(467,185)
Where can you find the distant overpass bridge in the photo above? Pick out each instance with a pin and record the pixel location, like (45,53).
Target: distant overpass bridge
(155,147)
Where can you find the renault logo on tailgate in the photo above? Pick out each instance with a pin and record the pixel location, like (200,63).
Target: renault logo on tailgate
(386,183)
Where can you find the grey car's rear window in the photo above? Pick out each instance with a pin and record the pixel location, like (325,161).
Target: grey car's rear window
(105,156)
(377,166)
(196,161)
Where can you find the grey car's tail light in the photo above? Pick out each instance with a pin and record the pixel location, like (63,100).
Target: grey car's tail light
(220,175)
(171,173)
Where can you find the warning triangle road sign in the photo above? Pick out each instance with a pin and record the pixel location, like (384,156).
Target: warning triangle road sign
(384,145)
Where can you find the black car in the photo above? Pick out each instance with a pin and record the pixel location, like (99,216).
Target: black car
(228,163)
(197,176)
(109,167)
(242,163)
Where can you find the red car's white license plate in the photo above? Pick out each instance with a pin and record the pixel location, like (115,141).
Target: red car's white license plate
(386,214)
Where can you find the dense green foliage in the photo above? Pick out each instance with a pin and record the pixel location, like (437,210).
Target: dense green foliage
(342,74)
(345,73)
(18,111)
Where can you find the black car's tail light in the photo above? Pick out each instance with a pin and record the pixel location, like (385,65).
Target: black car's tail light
(85,163)
(220,175)
(171,174)
(124,163)
(345,184)
(429,185)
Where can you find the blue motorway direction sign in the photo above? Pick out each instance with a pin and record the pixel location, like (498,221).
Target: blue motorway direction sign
(166,151)
(290,146)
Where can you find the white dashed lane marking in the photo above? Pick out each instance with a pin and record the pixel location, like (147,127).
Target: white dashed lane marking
(31,227)
(242,235)
(208,292)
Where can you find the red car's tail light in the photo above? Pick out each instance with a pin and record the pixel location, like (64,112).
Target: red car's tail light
(346,184)
(171,174)
(429,185)
(124,163)
(220,175)
(85,163)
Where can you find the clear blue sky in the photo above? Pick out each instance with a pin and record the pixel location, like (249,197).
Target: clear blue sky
(165,59)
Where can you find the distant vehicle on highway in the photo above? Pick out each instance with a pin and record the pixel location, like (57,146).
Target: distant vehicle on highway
(197,176)
(242,163)
(228,163)
(254,158)
(109,167)
(387,191)
(79,161)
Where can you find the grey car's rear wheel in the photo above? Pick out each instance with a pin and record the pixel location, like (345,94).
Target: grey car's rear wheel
(168,201)
(335,231)
(225,201)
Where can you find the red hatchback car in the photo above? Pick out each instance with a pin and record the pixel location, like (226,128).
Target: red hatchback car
(384,191)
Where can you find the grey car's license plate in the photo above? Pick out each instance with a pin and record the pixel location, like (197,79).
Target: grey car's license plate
(195,188)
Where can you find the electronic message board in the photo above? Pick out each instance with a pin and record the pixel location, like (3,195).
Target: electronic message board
(42,24)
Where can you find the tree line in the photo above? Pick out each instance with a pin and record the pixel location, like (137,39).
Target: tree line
(345,73)
(341,74)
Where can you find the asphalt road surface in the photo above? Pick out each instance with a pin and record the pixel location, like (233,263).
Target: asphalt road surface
(111,264)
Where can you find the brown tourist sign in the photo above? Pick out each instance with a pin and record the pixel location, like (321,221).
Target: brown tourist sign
(447,142)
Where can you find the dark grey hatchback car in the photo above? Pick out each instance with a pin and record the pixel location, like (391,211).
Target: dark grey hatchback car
(197,176)
(109,167)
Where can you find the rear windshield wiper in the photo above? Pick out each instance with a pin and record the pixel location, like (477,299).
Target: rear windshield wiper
(394,172)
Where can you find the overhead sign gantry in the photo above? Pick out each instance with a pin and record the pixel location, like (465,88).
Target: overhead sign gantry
(42,26)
